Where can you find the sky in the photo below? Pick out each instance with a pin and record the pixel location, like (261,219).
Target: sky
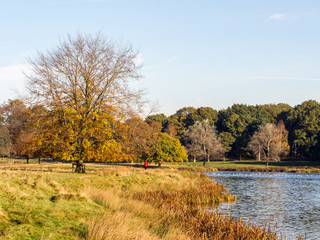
(194,52)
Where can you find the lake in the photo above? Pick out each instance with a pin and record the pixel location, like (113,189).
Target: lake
(288,202)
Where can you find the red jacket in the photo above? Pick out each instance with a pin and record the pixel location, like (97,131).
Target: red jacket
(146,164)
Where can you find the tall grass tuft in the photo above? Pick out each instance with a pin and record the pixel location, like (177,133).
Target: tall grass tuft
(116,226)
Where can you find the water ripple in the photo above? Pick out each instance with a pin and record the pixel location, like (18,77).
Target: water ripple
(289,202)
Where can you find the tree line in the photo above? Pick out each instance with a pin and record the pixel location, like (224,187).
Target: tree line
(268,131)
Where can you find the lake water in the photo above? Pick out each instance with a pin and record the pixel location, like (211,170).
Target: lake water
(288,202)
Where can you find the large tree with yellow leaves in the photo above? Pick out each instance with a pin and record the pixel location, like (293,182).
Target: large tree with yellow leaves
(84,86)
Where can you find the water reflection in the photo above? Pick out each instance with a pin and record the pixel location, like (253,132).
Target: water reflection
(289,202)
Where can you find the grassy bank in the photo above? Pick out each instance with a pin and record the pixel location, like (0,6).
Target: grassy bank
(47,201)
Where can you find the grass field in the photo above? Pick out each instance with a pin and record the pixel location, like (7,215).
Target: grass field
(47,201)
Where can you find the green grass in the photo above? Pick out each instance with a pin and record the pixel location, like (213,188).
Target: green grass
(48,201)
(38,205)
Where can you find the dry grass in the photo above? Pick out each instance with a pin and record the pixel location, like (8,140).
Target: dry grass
(187,211)
(47,201)
(118,226)
(127,218)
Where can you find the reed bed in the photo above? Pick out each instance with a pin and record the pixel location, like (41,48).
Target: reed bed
(187,210)
(205,194)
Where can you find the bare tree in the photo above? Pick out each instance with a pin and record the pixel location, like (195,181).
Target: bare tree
(282,139)
(202,141)
(86,73)
(81,83)
(270,142)
(256,144)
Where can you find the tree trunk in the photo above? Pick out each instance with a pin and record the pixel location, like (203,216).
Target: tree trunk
(80,167)
(259,159)
(39,160)
(27,159)
(268,153)
(194,159)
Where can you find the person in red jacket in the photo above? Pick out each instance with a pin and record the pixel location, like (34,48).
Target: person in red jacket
(146,165)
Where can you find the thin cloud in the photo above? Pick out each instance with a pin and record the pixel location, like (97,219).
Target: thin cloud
(278,17)
(283,17)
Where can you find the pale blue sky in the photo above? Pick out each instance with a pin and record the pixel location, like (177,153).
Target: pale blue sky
(195,53)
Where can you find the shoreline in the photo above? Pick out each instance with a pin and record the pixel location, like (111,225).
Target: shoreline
(252,166)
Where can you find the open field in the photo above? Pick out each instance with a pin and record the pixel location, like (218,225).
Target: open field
(47,201)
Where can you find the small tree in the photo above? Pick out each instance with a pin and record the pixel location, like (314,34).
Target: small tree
(202,141)
(256,144)
(270,142)
(165,148)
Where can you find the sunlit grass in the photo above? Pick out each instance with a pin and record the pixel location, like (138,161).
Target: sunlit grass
(48,201)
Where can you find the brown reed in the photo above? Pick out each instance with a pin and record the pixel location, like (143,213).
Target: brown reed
(187,210)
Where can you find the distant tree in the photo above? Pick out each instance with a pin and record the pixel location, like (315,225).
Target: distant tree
(185,111)
(227,140)
(160,118)
(281,139)
(270,142)
(16,119)
(164,148)
(5,143)
(84,85)
(242,121)
(237,121)
(179,122)
(200,114)
(202,141)
(256,145)
(176,125)
(138,137)
(171,130)
(303,122)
